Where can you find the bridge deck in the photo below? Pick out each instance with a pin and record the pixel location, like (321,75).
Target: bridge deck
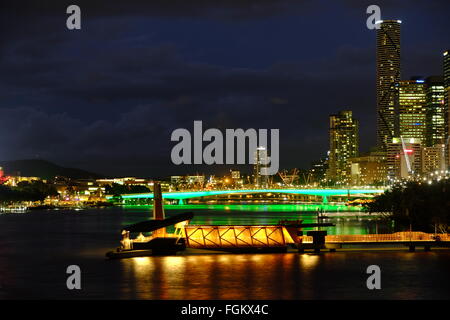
(203,193)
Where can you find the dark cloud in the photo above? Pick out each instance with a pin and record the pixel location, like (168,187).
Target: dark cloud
(170,8)
(108,97)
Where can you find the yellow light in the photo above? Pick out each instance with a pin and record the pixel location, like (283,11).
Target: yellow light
(141,261)
(309,261)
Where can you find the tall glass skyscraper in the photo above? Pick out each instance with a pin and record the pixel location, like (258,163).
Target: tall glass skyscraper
(344,144)
(446,64)
(447,91)
(388,77)
(435,128)
(412,109)
(447,68)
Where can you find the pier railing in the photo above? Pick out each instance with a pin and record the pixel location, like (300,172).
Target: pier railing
(398,236)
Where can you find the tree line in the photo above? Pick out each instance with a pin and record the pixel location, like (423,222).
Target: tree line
(27,191)
(416,205)
(116,189)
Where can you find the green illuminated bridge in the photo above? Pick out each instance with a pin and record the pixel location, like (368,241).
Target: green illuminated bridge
(324,193)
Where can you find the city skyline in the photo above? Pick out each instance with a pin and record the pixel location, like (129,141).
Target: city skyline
(122,127)
(225,158)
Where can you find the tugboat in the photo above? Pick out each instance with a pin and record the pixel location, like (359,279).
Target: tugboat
(159,242)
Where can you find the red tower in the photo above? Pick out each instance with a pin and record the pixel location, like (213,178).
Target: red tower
(2,177)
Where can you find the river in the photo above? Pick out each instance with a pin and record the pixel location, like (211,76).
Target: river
(37,247)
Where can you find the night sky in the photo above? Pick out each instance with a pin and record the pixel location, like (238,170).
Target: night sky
(107,97)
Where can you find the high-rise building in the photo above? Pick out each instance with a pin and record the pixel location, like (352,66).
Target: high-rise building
(344,144)
(318,171)
(404,158)
(447,68)
(446,65)
(388,76)
(261,164)
(435,123)
(412,109)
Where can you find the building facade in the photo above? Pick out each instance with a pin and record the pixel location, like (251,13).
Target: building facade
(435,111)
(388,76)
(412,109)
(368,170)
(433,158)
(344,144)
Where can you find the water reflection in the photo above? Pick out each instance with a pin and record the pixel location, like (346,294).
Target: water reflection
(309,260)
(280,276)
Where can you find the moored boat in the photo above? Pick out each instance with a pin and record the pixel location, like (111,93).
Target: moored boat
(159,242)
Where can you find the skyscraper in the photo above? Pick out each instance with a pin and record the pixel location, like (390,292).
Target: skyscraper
(261,179)
(344,144)
(435,127)
(388,76)
(446,64)
(447,68)
(412,109)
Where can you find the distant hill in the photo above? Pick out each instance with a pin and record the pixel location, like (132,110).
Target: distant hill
(44,169)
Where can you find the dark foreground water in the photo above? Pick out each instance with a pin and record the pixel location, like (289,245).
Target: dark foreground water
(36,248)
